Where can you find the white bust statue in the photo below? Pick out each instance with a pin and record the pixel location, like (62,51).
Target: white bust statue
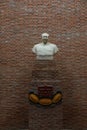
(45,50)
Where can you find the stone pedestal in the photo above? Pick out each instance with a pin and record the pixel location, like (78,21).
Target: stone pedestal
(45,118)
(45,83)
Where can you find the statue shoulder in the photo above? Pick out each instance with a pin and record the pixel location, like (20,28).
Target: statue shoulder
(52,44)
(38,44)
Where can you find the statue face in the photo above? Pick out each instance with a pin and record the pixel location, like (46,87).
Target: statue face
(45,41)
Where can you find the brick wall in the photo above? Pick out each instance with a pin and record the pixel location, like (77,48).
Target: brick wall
(22,23)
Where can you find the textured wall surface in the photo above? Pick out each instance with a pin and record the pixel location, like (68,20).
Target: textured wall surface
(22,22)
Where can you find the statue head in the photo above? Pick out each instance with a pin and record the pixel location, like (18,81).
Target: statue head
(45,37)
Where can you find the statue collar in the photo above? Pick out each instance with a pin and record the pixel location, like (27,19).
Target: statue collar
(45,44)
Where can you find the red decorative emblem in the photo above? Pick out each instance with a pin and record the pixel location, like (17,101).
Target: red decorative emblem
(45,96)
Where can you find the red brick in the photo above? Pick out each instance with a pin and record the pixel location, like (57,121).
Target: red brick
(22,23)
